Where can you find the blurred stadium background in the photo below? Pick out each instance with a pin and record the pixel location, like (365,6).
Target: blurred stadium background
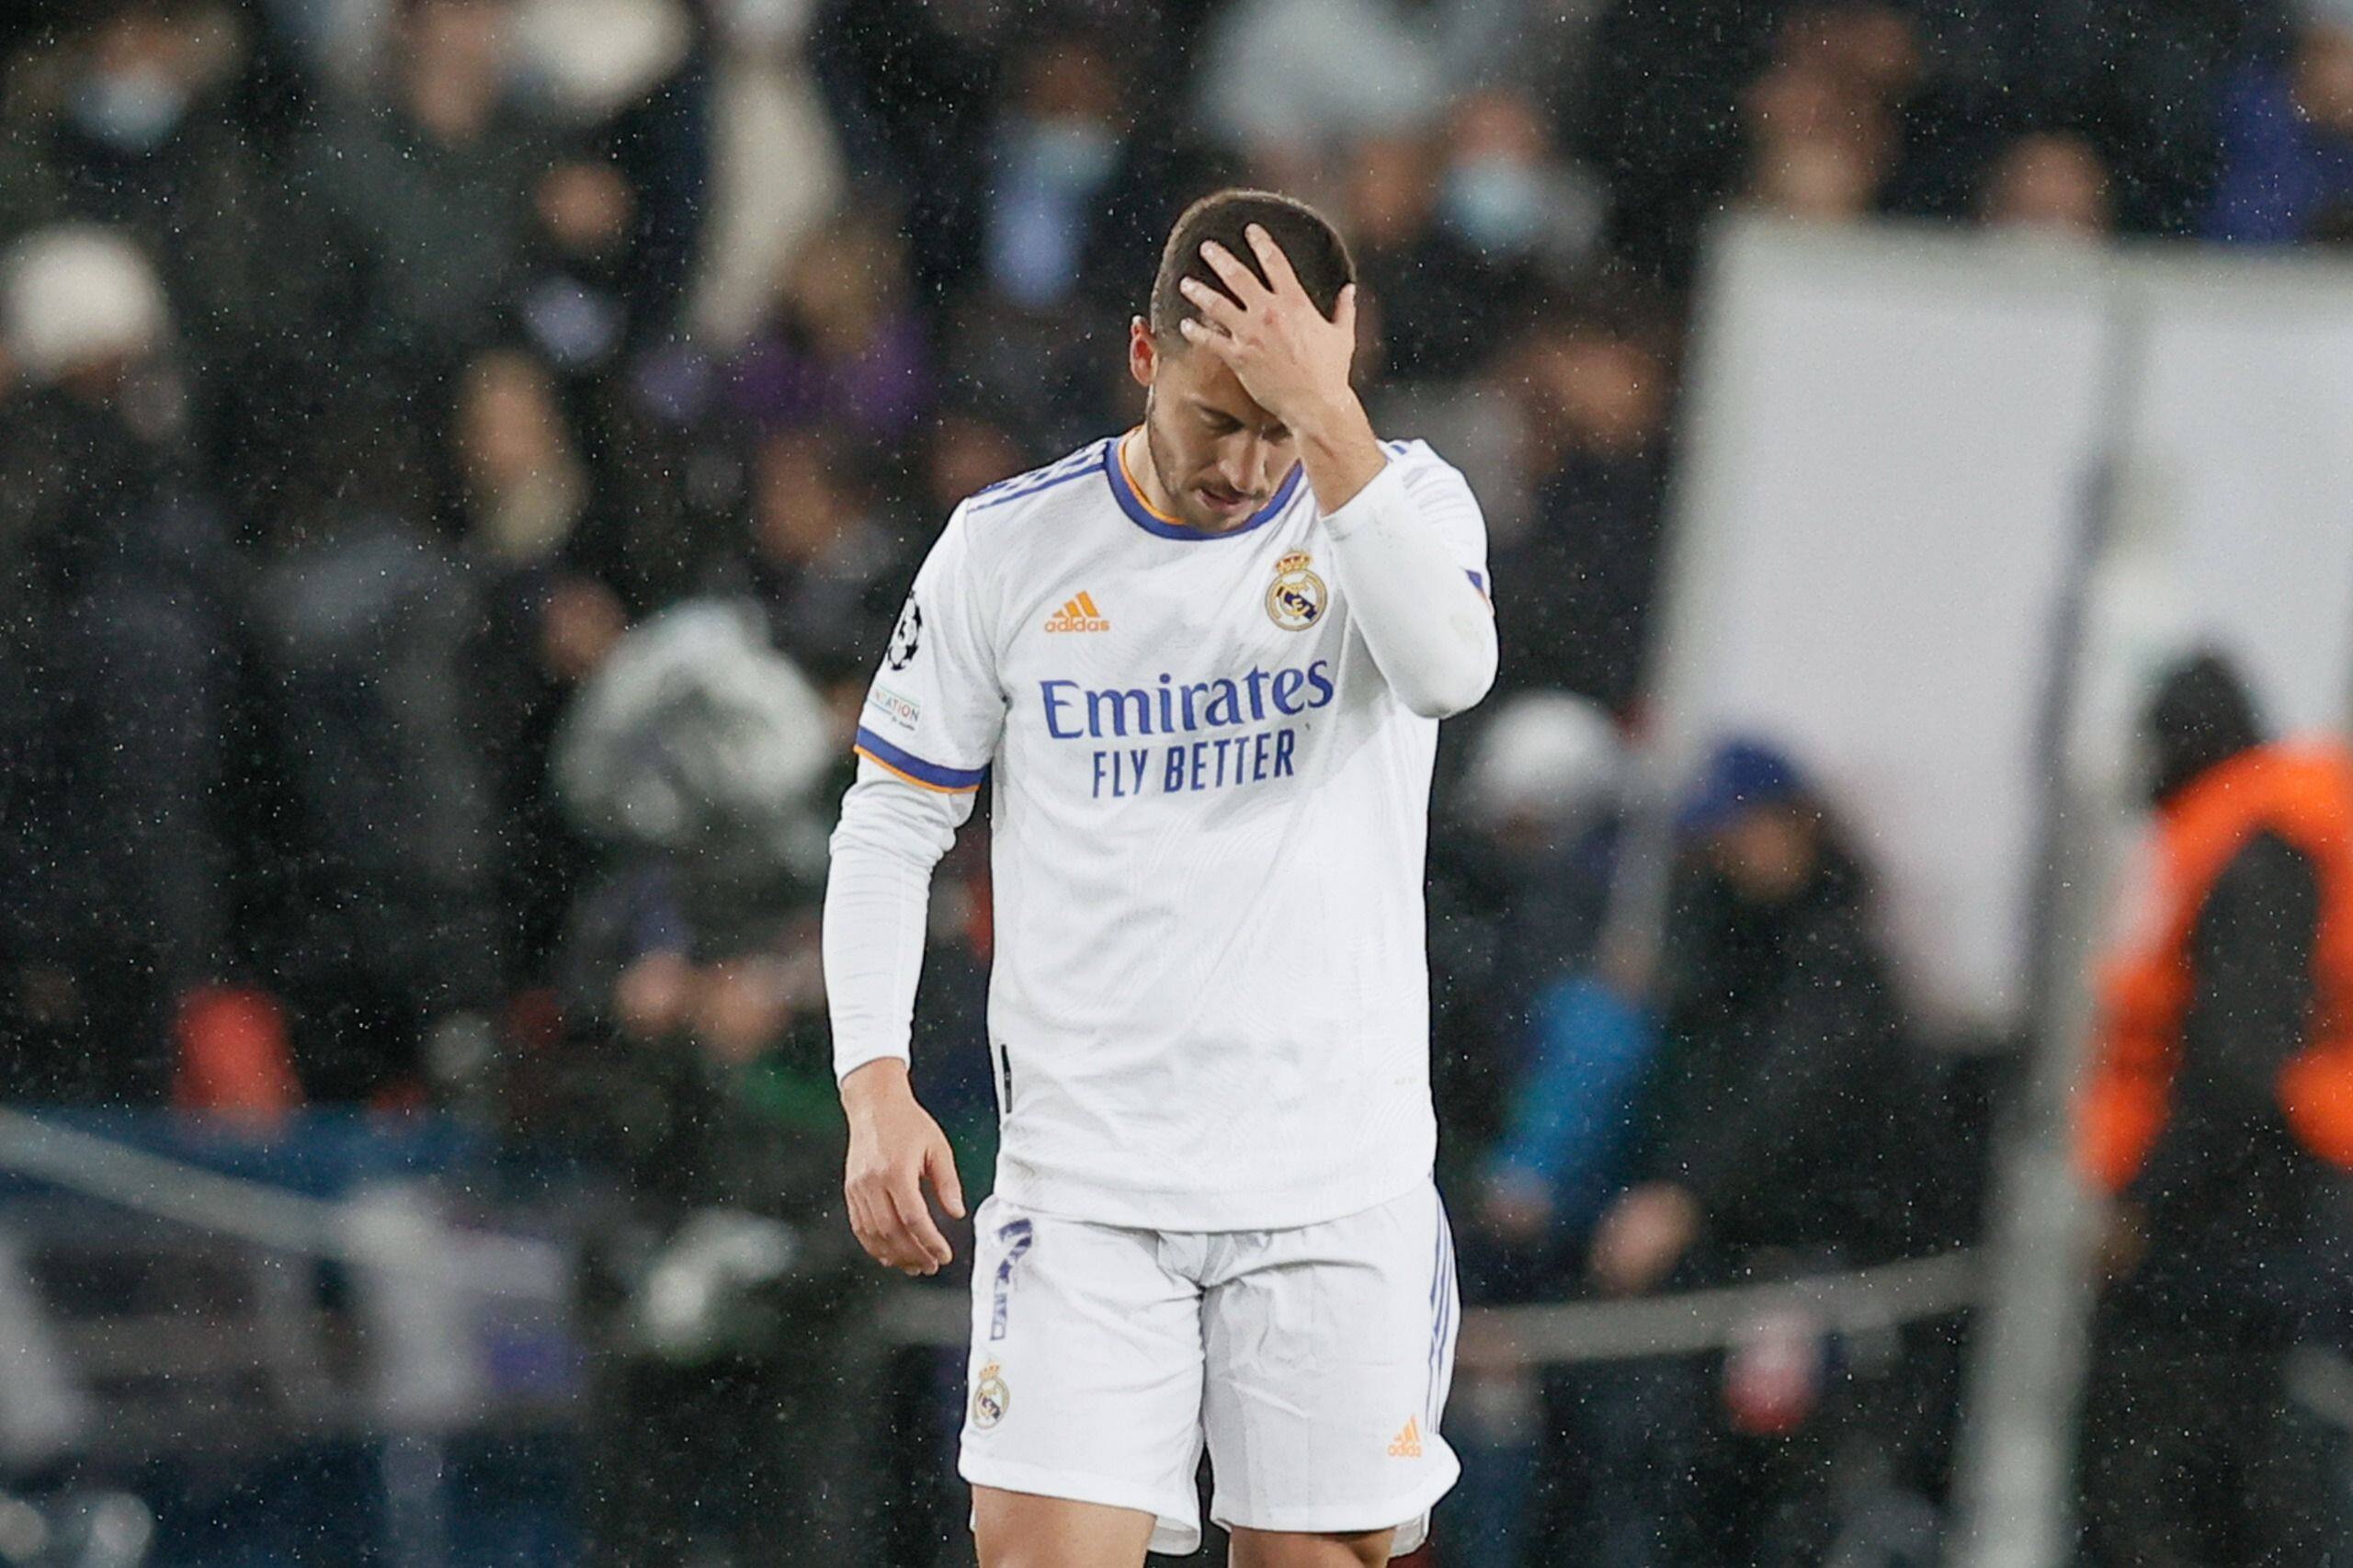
(459,459)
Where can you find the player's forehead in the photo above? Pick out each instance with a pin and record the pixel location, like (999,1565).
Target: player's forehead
(1204,383)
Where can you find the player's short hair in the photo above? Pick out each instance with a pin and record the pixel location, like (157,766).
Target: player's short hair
(1314,247)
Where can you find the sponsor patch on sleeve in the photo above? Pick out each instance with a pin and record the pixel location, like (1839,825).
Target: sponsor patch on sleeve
(900,710)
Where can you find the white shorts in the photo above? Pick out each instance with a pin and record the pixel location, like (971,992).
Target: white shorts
(1313,1362)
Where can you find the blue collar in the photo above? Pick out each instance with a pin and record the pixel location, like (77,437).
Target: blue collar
(1139,512)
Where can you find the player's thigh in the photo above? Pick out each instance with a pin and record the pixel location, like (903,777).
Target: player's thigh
(1328,1359)
(1021,1529)
(1085,1372)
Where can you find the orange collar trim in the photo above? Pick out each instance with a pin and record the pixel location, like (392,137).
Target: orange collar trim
(1137,490)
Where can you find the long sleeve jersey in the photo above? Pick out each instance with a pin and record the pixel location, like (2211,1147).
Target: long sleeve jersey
(1209,759)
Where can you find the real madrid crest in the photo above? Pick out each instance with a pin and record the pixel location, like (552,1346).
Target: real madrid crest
(1295,598)
(990,1397)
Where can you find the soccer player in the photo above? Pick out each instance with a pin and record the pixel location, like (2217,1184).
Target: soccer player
(1203,664)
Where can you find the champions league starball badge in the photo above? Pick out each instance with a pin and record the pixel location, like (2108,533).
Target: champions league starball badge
(1295,598)
(991,1398)
(905,636)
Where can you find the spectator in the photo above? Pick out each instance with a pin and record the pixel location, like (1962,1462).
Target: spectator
(629,83)
(365,626)
(2050,183)
(522,488)
(1821,179)
(421,204)
(815,558)
(522,493)
(1577,586)
(1505,190)
(576,293)
(734,1326)
(143,141)
(1518,890)
(1820,147)
(669,479)
(1288,82)
(698,743)
(1830,101)
(2217,1118)
(909,85)
(1519,906)
(591,62)
(546,628)
(1056,152)
(118,656)
(842,347)
(1664,94)
(2286,136)
(1548,780)
(1064,369)
(1775,1137)
(766,115)
(1432,303)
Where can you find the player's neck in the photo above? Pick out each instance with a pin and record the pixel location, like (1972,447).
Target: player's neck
(1135,455)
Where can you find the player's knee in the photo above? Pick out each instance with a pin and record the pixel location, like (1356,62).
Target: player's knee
(1267,1549)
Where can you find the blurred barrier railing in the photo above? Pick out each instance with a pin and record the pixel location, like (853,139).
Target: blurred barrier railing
(1494,1338)
(110,1171)
(1540,1334)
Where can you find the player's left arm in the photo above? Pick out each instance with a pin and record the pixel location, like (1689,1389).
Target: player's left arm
(1409,548)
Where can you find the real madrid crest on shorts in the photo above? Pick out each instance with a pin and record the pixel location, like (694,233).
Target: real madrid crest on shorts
(990,1397)
(1295,598)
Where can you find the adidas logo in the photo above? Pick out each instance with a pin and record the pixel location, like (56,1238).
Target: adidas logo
(1407,1443)
(1079,615)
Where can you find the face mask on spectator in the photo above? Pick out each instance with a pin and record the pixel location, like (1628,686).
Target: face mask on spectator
(1495,202)
(1072,156)
(131,111)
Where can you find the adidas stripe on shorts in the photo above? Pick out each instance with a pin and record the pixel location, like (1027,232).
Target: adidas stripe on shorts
(1313,1362)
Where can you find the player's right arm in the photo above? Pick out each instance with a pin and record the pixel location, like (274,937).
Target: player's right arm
(929,728)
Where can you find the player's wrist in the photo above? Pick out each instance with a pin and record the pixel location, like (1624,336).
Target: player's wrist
(1329,418)
(869,1086)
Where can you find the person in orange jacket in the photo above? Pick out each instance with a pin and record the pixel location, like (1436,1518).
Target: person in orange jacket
(2219,1118)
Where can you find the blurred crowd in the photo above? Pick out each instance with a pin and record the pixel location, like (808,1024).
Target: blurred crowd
(459,459)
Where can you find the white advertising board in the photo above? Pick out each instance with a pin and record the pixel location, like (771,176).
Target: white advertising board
(1888,462)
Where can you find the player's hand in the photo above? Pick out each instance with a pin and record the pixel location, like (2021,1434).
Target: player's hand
(1288,357)
(896,1147)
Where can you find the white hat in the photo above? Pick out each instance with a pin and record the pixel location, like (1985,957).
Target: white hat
(76,294)
(1548,755)
(596,57)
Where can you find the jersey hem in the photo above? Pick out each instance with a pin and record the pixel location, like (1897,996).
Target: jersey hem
(1409,1516)
(1075,1197)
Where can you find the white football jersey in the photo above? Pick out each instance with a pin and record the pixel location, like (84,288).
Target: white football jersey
(1210,1003)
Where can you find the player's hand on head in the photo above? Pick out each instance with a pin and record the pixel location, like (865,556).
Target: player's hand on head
(1288,355)
(894,1148)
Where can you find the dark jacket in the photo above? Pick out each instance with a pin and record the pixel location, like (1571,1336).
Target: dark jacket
(1775,1097)
(2239,1225)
